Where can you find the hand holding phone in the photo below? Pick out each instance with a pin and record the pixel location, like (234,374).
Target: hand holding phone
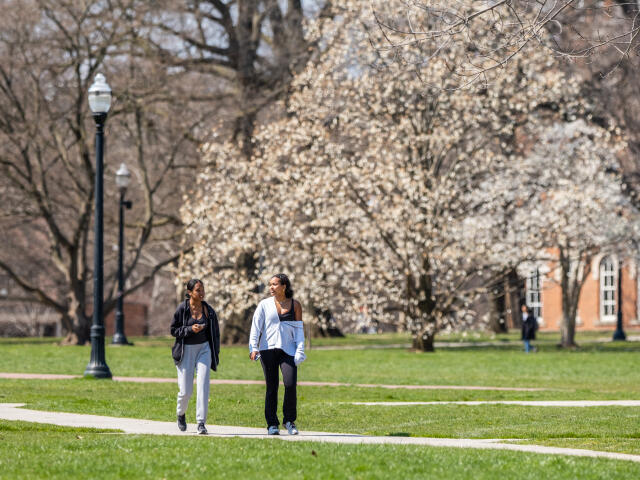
(198,327)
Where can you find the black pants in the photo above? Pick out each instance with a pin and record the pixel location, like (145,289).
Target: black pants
(271,360)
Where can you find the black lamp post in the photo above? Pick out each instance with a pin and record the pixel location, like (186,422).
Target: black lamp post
(122,181)
(619,333)
(99,102)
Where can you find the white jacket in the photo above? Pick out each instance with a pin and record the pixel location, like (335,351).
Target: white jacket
(268,332)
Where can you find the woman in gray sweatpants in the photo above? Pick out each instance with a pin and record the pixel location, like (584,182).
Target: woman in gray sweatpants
(196,349)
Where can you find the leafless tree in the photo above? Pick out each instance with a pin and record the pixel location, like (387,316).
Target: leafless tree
(494,32)
(176,68)
(50,52)
(249,48)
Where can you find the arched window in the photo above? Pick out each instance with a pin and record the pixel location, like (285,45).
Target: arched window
(533,293)
(608,290)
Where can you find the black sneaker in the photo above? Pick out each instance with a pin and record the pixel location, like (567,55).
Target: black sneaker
(182,423)
(202,430)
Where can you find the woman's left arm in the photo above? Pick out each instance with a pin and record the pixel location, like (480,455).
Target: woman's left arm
(257,325)
(299,356)
(215,325)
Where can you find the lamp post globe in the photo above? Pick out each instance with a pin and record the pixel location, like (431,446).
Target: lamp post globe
(100,95)
(99,102)
(123,177)
(122,181)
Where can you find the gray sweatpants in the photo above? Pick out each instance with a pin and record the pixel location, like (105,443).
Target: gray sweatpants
(195,357)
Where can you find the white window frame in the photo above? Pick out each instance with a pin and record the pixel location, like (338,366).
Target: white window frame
(608,275)
(533,294)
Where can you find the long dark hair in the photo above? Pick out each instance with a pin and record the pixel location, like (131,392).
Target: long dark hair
(191,284)
(284,280)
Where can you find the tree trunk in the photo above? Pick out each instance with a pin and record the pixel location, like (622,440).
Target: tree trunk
(81,329)
(77,325)
(497,313)
(571,286)
(423,340)
(237,323)
(237,327)
(568,332)
(513,293)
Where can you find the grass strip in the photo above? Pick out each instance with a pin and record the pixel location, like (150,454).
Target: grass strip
(37,452)
(609,444)
(613,369)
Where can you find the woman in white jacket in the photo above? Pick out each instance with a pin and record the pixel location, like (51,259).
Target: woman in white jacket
(277,339)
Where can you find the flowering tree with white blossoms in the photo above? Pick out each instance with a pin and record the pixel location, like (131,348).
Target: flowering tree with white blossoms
(361,189)
(571,205)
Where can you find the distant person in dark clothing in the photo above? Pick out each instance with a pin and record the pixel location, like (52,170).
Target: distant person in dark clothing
(529,327)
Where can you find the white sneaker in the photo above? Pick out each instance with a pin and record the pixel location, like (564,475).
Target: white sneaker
(291,428)
(273,430)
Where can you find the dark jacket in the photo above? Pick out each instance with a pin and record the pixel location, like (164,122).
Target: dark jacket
(529,327)
(180,330)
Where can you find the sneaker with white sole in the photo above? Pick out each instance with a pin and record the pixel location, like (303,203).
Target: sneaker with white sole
(291,428)
(182,423)
(273,430)
(202,430)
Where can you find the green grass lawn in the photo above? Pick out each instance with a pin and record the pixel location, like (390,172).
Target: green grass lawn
(29,451)
(609,367)
(596,371)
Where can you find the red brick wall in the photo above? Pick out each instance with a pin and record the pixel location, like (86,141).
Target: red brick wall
(589,304)
(135,320)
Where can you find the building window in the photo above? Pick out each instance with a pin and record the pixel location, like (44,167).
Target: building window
(608,288)
(533,293)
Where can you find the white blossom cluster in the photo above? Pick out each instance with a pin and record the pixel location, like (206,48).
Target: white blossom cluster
(377,185)
(575,203)
(564,204)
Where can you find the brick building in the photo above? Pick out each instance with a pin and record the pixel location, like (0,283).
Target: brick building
(135,320)
(598,304)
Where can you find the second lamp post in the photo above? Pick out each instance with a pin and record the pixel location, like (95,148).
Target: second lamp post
(619,333)
(122,181)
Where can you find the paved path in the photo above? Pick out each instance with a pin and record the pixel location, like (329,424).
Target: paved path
(12,411)
(53,376)
(528,403)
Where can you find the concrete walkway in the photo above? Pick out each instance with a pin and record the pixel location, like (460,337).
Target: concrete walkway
(12,411)
(527,403)
(53,376)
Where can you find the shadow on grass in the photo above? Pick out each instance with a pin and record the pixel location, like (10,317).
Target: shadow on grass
(23,427)
(30,341)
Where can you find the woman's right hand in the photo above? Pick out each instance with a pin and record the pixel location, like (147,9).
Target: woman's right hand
(196,327)
(253,354)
